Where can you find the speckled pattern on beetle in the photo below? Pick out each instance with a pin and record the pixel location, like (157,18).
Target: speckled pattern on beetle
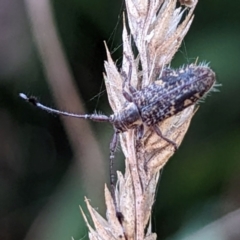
(173,92)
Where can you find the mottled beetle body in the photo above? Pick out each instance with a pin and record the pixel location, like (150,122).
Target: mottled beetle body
(175,91)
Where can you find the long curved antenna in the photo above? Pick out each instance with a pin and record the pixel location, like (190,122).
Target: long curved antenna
(94,117)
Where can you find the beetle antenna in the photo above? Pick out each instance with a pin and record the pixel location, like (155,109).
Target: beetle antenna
(94,117)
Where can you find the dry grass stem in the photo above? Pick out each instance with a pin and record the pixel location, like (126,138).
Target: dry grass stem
(157,28)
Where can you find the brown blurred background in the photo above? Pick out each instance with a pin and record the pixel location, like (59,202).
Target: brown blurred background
(47,165)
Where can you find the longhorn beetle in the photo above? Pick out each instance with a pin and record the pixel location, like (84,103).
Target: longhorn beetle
(173,92)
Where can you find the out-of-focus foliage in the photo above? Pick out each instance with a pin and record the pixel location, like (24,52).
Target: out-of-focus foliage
(39,183)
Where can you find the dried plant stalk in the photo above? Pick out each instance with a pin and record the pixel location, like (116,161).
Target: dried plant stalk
(157,33)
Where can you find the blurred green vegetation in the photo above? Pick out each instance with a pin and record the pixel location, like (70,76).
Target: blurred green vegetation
(199,184)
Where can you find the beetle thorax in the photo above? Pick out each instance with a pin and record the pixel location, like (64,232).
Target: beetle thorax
(127,118)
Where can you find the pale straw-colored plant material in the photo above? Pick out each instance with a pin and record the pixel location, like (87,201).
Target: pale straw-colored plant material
(157,29)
